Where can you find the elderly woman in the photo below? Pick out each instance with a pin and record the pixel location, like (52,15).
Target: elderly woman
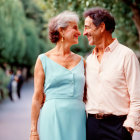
(59,73)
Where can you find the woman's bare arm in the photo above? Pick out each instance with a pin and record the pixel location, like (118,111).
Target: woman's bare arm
(37,99)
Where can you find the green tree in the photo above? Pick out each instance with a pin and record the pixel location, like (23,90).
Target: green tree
(134,5)
(20,36)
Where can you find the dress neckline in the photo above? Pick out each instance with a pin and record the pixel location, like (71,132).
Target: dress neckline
(63,66)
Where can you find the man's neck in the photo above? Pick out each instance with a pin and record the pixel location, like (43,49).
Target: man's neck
(104,42)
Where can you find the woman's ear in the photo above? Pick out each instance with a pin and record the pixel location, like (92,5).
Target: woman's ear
(60,31)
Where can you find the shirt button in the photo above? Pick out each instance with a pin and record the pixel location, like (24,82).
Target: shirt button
(100,71)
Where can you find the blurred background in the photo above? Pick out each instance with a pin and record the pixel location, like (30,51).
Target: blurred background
(23,36)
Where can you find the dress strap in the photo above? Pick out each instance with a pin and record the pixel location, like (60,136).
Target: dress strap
(82,58)
(43,61)
(83,61)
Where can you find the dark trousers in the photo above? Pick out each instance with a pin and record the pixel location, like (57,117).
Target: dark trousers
(18,92)
(10,95)
(110,128)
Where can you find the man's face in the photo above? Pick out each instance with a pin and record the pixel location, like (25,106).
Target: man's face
(91,31)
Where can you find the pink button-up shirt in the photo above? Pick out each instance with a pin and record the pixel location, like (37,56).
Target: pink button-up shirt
(113,86)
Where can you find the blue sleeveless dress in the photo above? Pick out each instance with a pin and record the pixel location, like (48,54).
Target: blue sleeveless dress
(63,116)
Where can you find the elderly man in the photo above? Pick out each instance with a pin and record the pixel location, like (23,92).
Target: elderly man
(113,81)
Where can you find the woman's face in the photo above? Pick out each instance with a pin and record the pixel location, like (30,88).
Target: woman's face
(71,33)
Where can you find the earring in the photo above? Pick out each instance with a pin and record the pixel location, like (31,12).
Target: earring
(62,38)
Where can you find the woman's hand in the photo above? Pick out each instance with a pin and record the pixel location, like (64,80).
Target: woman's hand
(34,136)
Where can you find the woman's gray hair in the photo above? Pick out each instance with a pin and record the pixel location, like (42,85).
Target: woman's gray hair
(65,17)
(61,21)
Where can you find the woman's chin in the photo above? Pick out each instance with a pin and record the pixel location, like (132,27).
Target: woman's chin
(75,42)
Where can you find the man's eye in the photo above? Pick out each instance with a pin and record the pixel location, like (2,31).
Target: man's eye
(75,27)
(86,27)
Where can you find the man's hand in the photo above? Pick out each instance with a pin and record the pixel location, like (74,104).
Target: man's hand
(130,130)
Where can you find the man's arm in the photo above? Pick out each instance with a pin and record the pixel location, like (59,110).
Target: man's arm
(132,74)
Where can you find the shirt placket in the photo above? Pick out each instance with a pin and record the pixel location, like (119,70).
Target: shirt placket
(100,74)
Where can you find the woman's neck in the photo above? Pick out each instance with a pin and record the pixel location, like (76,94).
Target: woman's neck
(62,49)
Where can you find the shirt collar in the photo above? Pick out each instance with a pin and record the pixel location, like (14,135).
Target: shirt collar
(113,45)
(110,47)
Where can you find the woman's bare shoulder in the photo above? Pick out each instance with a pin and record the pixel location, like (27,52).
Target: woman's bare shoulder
(49,53)
(78,56)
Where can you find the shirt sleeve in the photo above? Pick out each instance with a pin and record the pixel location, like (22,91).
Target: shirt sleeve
(132,74)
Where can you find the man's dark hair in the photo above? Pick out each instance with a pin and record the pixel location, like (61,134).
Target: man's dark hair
(99,15)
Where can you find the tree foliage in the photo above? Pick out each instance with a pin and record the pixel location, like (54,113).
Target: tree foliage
(20,36)
(23,26)
(126,30)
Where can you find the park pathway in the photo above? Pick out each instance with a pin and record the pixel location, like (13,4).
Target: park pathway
(15,116)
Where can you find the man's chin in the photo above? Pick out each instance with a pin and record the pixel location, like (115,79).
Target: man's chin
(90,43)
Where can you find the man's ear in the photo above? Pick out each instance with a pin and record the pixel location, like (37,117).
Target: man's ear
(102,27)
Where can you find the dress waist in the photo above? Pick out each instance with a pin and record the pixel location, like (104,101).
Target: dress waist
(65,98)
